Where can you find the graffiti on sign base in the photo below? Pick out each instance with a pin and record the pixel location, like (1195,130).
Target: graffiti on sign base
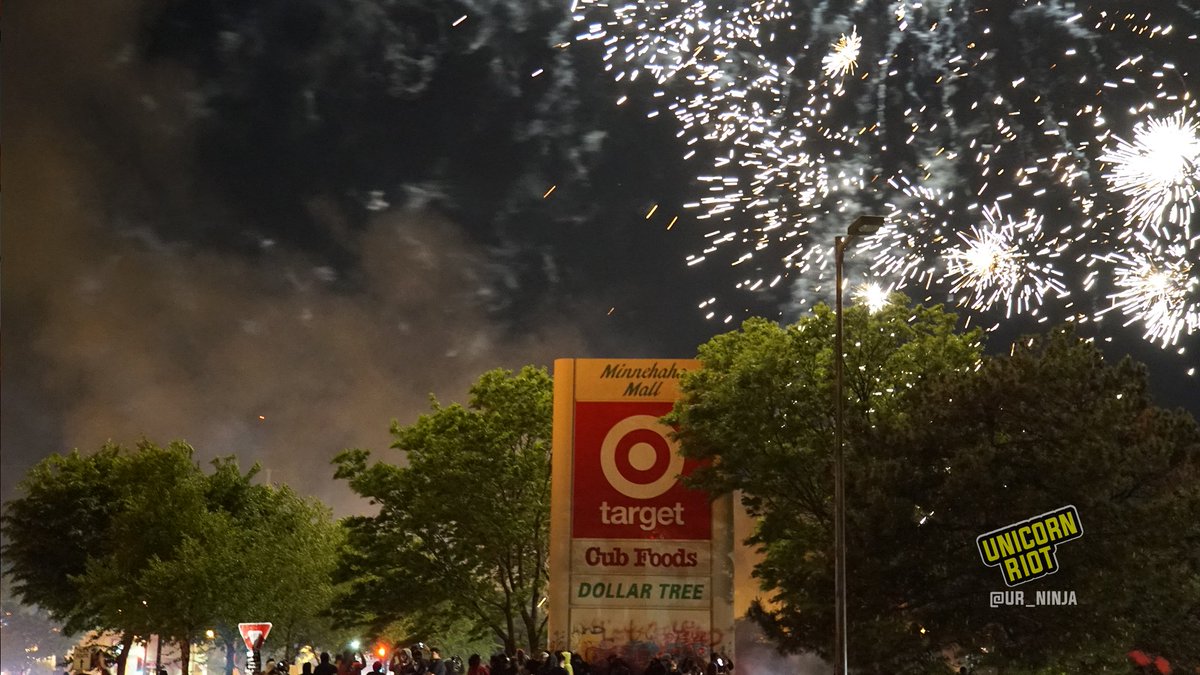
(638,640)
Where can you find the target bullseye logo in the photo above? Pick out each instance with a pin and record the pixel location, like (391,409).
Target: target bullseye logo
(627,478)
(638,457)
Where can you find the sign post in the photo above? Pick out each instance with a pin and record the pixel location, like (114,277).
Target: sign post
(254,634)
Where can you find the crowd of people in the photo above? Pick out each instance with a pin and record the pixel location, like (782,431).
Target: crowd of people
(422,660)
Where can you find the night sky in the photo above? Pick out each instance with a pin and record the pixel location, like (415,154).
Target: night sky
(271,228)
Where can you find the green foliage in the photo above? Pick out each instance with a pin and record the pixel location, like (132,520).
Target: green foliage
(462,530)
(142,541)
(297,543)
(763,400)
(50,533)
(161,503)
(1054,424)
(942,445)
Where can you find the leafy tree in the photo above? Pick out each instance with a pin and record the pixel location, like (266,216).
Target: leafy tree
(170,550)
(1049,425)
(85,526)
(233,545)
(297,542)
(162,504)
(207,573)
(271,561)
(61,522)
(462,529)
(942,445)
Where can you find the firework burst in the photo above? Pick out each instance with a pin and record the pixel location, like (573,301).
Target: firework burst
(946,111)
(1159,289)
(1159,170)
(872,295)
(843,58)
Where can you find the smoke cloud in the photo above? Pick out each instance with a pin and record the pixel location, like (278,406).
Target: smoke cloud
(116,332)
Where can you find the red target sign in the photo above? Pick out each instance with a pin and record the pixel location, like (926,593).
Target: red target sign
(627,470)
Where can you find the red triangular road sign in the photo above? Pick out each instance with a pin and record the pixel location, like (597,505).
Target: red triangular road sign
(253,634)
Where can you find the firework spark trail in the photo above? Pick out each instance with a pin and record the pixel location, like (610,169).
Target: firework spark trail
(939,114)
(909,245)
(1003,261)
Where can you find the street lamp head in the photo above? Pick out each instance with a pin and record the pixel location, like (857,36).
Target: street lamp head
(864,226)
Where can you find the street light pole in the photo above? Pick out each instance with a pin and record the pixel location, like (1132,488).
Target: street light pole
(840,653)
(863,225)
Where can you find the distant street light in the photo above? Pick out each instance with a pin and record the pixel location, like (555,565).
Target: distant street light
(862,226)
